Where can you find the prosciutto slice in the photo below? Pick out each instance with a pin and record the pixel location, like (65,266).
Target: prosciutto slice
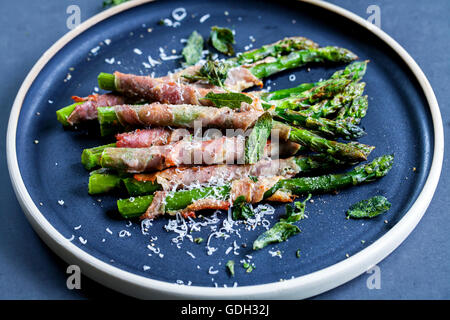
(184,152)
(176,178)
(187,152)
(185,116)
(88,109)
(252,191)
(164,90)
(142,138)
(174,89)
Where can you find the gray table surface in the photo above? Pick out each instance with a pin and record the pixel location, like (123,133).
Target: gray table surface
(418,269)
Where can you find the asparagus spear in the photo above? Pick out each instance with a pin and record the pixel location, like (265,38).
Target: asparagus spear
(326,89)
(184,116)
(300,58)
(379,167)
(298,135)
(214,151)
(340,128)
(216,72)
(354,71)
(350,152)
(225,150)
(276,49)
(327,107)
(103,181)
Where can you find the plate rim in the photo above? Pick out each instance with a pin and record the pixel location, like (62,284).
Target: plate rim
(301,287)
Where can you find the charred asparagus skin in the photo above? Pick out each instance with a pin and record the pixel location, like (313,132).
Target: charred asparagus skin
(379,167)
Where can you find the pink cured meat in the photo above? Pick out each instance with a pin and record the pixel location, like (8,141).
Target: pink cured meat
(175,178)
(252,191)
(186,116)
(182,153)
(88,110)
(142,138)
(162,90)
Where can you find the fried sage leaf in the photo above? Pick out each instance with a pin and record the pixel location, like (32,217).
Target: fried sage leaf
(192,52)
(241,209)
(294,214)
(369,208)
(232,100)
(222,39)
(280,232)
(213,71)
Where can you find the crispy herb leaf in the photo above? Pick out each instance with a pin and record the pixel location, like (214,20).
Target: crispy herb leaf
(257,140)
(214,72)
(369,208)
(192,52)
(231,100)
(284,228)
(222,39)
(241,209)
(230,266)
(294,214)
(278,233)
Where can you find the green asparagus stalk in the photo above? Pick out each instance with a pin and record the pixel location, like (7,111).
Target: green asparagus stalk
(175,201)
(100,181)
(107,81)
(379,167)
(306,138)
(334,128)
(274,50)
(103,181)
(354,72)
(376,169)
(219,71)
(305,99)
(328,107)
(109,123)
(300,58)
(349,152)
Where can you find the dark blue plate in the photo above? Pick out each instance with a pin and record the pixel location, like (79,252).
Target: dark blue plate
(398,121)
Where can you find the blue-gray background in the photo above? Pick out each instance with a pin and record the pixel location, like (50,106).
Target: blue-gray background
(418,269)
